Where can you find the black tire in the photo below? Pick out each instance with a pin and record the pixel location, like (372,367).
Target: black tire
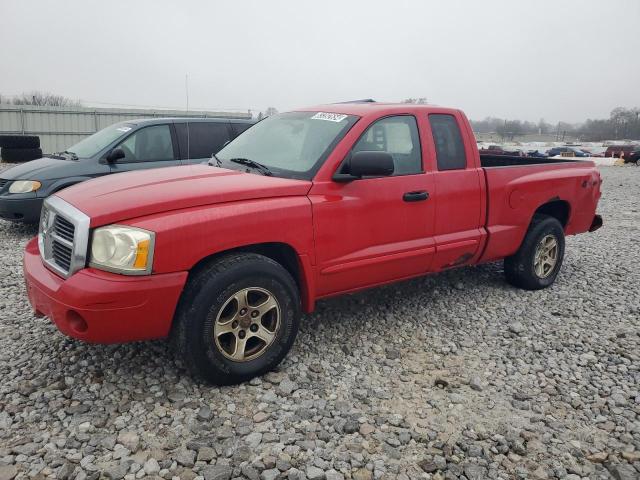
(19,141)
(520,269)
(207,292)
(17,155)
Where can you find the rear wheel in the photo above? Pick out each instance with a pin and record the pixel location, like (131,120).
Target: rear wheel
(638,162)
(237,318)
(538,260)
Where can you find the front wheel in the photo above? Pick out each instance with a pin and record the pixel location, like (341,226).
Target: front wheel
(237,318)
(538,260)
(638,162)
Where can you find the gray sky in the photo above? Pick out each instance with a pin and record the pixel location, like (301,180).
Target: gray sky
(561,60)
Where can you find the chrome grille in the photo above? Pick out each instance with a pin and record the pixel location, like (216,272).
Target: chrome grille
(63,236)
(62,255)
(63,228)
(3,183)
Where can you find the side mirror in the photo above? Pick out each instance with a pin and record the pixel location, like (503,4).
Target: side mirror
(115,155)
(366,164)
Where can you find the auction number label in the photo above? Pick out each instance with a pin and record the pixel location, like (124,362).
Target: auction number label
(330,117)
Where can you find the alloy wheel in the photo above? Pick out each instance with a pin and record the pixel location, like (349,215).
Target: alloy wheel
(247,324)
(546,256)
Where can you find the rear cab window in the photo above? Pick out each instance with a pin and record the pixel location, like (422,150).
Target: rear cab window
(450,152)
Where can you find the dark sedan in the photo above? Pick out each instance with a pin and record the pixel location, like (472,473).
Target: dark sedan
(570,151)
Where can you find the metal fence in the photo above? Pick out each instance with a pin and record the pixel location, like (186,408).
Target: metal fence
(61,127)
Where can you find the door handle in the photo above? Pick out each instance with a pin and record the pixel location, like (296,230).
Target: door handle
(415,196)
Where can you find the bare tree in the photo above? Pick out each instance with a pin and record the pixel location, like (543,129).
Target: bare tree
(270,111)
(45,99)
(543,127)
(510,129)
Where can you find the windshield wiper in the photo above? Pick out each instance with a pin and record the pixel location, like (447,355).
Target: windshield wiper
(253,164)
(218,161)
(73,155)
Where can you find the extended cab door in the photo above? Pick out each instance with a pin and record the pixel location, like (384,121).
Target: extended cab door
(374,230)
(149,147)
(459,188)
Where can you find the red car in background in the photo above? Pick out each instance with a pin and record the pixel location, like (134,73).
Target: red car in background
(498,150)
(618,151)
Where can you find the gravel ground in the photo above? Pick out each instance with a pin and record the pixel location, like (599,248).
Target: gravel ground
(456,375)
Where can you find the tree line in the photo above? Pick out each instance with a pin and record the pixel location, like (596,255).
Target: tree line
(622,124)
(40,99)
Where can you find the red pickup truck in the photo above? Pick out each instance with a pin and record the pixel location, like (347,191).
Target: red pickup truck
(223,258)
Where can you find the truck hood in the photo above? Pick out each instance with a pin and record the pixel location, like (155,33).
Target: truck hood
(47,168)
(119,197)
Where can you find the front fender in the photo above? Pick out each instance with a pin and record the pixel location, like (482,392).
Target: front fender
(184,237)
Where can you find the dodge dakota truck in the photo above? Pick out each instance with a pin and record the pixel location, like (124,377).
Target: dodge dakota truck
(224,257)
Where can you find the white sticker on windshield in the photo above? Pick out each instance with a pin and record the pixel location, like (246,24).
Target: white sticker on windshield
(331,117)
(123,129)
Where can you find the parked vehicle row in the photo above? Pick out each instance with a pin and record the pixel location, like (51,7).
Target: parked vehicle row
(224,257)
(498,150)
(122,147)
(568,151)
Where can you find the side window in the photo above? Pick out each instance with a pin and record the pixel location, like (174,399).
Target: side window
(240,127)
(205,138)
(448,139)
(149,144)
(398,136)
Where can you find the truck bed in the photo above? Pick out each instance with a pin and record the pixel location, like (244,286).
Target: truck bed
(491,161)
(516,192)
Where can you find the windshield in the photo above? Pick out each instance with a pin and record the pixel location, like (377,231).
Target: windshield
(99,140)
(293,144)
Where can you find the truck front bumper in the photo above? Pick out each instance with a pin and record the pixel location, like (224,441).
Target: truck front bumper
(102,307)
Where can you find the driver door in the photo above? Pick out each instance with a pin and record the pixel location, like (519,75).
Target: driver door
(376,229)
(154,146)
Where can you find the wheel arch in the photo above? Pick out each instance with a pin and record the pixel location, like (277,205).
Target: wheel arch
(280,252)
(556,208)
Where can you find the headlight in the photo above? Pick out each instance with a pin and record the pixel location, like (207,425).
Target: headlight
(121,249)
(24,186)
